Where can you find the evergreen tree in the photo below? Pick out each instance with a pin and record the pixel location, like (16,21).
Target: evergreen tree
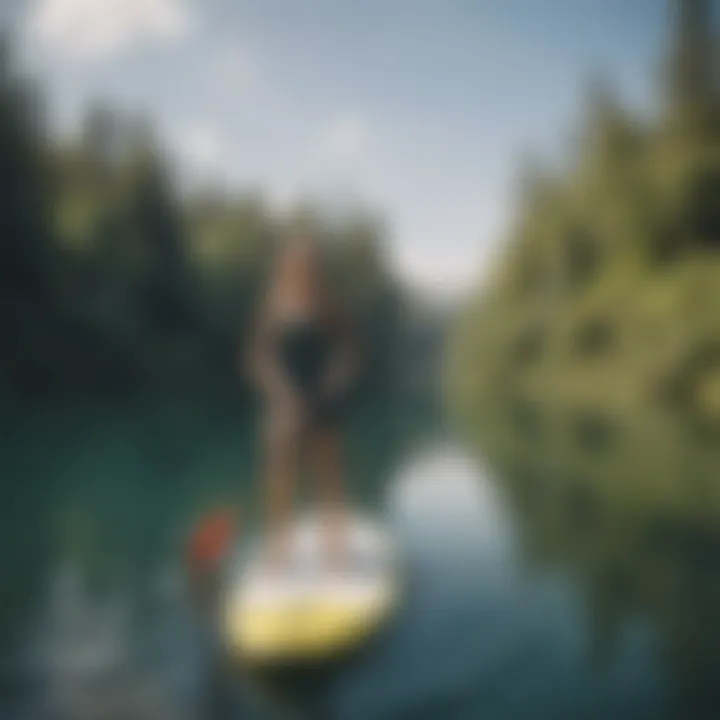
(693,82)
(25,251)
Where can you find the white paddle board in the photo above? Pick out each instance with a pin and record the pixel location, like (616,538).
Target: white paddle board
(310,609)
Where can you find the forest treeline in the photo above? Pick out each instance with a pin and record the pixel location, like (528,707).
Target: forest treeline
(606,298)
(113,281)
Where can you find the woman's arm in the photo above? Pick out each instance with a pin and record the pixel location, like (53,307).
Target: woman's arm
(261,362)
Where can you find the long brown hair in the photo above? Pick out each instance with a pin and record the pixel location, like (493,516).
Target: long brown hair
(298,273)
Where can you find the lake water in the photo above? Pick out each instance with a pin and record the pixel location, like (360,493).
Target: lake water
(550,587)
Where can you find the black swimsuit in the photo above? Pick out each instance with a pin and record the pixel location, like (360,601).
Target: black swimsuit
(305,349)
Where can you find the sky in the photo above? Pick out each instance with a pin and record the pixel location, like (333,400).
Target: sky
(423,108)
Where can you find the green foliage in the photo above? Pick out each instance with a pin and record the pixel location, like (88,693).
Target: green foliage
(112,281)
(609,289)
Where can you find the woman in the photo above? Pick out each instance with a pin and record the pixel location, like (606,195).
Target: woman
(303,359)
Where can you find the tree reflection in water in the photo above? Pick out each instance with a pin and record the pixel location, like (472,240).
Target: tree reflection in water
(631,507)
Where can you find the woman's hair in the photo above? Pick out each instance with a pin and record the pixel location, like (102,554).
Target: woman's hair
(299,256)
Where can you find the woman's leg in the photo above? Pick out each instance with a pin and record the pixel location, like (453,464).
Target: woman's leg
(282,439)
(326,449)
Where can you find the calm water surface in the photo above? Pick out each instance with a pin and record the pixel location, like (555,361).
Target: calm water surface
(550,588)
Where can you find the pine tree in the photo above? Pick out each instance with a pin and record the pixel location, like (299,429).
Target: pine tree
(25,250)
(693,96)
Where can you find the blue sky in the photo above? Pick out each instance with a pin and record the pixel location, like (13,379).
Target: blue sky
(423,107)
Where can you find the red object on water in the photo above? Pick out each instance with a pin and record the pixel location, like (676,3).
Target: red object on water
(210,540)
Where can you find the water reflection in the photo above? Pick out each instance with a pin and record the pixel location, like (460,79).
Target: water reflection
(95,621)
(575,580)
(450,507)
(629,507)
(92,660)
(480,636)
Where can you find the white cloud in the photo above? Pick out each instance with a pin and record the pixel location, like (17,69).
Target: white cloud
(91,29)
(345,138)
